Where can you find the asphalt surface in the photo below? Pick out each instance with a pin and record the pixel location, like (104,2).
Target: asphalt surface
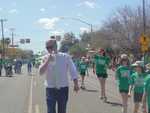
(25,93)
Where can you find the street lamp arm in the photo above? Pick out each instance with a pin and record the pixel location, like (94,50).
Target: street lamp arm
(82,21)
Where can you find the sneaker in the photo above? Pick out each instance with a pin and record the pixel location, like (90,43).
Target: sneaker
(105,99)
(101,98)
(82,87)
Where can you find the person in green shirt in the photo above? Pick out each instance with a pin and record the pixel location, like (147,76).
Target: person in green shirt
(101,62)
(76,62)
(123,77)
(146,97)
(137,83)
(83,71)
(148,68)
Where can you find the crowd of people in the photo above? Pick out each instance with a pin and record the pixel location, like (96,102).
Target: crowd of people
(131,76)
(12,67)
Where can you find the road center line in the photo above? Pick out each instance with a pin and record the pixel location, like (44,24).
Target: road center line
(37,109)
(34,83)
(30,96)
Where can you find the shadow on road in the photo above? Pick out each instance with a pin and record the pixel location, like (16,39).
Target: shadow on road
(90,90)
(114,103)
(7,76)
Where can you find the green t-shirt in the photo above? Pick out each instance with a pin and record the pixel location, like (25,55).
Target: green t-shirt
(123,76)
(76,62)
(101,63)
(147,89)
(138,80)
(83,66)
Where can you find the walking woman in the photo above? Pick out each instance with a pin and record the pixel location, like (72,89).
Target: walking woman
(101,62)
(123,76)
(137,82)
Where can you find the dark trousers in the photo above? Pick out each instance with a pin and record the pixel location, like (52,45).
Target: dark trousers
(59,96)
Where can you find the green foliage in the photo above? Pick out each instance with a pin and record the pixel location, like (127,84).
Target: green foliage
(77,50)
(68,41)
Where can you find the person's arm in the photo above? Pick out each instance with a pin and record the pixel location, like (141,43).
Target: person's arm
(117,74)
(73,73)
(87,70)
(76,86)
(44,65)
(130,90)
(94,66)
(144,103)
(131,82)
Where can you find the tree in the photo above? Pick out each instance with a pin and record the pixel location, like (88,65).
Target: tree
(68,41)
(121,31)
(77,50)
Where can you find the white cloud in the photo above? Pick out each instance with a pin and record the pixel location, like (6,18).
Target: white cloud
(48,23)
(59,32)
(84,29)
(89,4)
(13,11)
(42,9)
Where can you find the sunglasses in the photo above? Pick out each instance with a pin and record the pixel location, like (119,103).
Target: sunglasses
(49,47)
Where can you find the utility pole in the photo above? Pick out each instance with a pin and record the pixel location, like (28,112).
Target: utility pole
(91,28)
(12,40)
(144,18)
(12,36)
(3,39)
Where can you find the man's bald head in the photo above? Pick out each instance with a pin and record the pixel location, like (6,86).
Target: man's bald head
(51,45)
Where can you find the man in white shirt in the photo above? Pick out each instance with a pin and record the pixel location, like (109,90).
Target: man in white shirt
(56,66)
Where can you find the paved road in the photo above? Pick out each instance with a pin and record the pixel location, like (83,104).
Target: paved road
(26,94)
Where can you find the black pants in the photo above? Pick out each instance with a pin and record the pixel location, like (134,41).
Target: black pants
(59,96)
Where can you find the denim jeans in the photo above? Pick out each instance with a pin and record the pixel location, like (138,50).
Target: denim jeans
(59,96)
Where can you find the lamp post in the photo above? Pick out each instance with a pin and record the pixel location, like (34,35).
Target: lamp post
(80,20)
(12,41)
(12,36)
(144,18)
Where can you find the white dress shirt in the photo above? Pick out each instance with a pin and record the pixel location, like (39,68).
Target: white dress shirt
(57,72)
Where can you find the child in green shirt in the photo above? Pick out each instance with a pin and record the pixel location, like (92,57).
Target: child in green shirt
(148,68)
(83,69)
(146,97)
(123,75)
(101,62)
(147,91)
(137,82)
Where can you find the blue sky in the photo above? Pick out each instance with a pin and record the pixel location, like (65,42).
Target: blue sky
(38,19)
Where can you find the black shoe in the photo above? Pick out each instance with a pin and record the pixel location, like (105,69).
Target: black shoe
(82,87)
(105,99)
(101,98)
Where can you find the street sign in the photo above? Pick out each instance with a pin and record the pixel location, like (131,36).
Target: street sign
(27,40)
(22,41)
(13,45)
(144,42)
